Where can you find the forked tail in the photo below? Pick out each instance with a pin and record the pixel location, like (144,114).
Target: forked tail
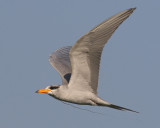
(101,102)
(121,108)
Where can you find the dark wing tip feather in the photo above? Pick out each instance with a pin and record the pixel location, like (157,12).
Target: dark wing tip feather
(59,59)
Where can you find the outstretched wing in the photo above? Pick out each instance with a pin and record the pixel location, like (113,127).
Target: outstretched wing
(86,53)
(59,59)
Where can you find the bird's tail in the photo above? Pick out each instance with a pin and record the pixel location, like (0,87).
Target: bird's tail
(101,102)
(120,108)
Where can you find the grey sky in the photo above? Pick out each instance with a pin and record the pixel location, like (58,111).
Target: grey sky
(129,74)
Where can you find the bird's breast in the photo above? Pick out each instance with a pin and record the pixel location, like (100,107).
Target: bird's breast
(73,96)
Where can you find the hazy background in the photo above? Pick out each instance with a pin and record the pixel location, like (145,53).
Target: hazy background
(130,68)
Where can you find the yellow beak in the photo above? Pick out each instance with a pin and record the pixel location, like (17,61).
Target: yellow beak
(43,91)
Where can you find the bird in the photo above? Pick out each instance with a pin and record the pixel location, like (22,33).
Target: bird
(78,65)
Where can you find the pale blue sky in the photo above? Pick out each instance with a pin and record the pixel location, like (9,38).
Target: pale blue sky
(129,74)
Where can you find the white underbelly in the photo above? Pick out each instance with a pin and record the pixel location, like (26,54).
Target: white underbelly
(77,97)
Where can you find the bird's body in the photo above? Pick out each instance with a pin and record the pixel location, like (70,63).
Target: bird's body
(74,96)
(78,65)
(78,97)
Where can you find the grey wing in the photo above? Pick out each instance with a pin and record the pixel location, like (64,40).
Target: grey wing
(86,53)
(59,59)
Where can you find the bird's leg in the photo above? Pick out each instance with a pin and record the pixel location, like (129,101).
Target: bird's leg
(93,103)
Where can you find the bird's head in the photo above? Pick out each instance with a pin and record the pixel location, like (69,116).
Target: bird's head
(51,89)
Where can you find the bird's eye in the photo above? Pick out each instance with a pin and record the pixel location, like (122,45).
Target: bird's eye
(53,87)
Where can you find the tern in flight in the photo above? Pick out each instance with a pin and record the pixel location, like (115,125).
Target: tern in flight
(78,65)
